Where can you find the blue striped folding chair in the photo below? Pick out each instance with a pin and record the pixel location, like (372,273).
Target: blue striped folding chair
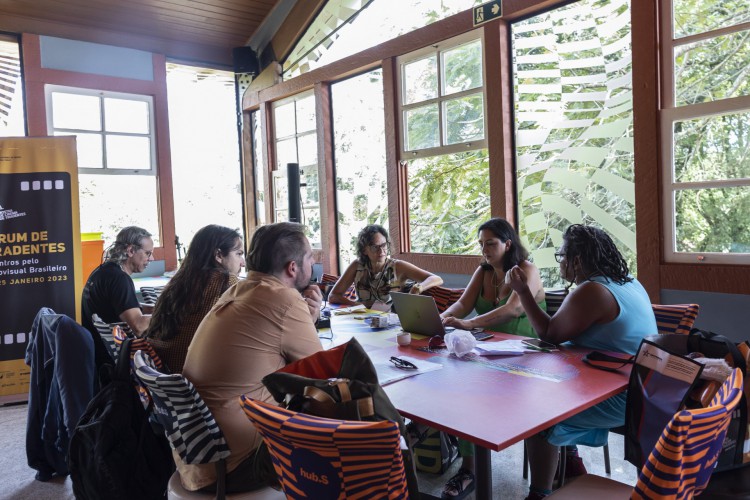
(683,459)
(318,457)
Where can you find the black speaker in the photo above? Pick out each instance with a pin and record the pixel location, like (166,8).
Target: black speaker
(245,60)
(293,179)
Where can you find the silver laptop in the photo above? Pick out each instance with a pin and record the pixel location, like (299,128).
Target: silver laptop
(419,314)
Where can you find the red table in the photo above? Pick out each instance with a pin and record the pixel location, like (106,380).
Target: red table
(492,402)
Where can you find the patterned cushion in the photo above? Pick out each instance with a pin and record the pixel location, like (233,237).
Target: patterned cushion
(106,333)
(681,464)
(187,421)
(331,279)
(150,294)
(554,299)
(676,318)
(317,457)
(444,297)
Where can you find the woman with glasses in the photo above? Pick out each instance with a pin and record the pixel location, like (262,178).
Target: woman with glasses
(497,308)
(375,275)
(212,265)
(607,310)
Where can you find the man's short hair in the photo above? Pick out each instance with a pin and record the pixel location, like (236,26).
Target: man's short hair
(131,235)
(273,246)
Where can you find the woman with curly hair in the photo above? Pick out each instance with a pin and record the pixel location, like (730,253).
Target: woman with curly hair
(375,275)
(212,264)
(607,310)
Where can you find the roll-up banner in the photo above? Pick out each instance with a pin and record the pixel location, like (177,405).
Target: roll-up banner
(40,247)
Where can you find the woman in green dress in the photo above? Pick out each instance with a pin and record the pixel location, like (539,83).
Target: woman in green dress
(498,308)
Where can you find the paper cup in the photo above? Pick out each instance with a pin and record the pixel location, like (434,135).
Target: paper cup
(403,338)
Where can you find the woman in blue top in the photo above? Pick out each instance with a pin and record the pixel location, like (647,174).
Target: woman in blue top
(607,310)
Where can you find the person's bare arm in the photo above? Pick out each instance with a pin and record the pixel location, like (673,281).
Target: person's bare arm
(336,296)
(513,307)
(136,320)
(424,280)
(465,304)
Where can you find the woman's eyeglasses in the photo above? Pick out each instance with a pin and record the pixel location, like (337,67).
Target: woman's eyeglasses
(559,256)
(402,363)
(379,248)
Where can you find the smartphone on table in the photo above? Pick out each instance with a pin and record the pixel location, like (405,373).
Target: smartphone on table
(539,344)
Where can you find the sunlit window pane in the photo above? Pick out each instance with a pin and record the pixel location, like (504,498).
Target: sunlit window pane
(573,110)
(712,69)
(422,128)
(449,197)
(306,114)
(712,148)
(283,120)
(699,16)
(464,119)
(128,152)
(309,190)
(359,142)
(462,68)
(111,202)
(125,115)
(286,152)
(701,216)
(72,111)
(420,80)
(259,168)
(308,149)
(89,150)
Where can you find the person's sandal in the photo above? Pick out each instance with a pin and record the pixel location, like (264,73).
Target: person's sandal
(456,483)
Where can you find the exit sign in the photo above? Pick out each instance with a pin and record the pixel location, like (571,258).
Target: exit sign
(487,12)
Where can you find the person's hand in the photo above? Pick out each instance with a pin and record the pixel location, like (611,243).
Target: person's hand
(445,316)
(463,324)
(314,298)
(517,279)
(416,289)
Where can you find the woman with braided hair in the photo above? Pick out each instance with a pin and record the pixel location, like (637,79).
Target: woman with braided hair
(607,310)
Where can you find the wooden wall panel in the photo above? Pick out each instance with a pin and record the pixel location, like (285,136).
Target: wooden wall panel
(326,178)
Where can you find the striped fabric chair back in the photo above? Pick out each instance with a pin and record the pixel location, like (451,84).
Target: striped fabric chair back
(444,297)
(188,423)
(681,464)
(554,299)
(676,318)
(317,457)
(331,279)
(138,344)
(105,331)
(150,294)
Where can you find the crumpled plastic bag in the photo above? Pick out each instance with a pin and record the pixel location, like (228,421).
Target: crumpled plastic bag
(460,343)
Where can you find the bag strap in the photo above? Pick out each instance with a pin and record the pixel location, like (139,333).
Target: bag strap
(122,368)
(607,362)
(732,350)
(321,403)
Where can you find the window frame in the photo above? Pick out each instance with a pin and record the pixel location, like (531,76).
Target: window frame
(49,89)
(437,50)
(670,114)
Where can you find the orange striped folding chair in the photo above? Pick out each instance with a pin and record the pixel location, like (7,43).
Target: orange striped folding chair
(675,318)
(683,459)
(318,457)
(138,344)
(331,279)
(444,297)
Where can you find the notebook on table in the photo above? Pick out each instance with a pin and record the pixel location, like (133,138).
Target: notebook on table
(419,314)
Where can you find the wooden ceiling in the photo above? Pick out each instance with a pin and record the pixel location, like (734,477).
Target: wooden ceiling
(194,30)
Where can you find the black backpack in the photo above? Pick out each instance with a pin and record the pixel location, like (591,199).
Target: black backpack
(114,452)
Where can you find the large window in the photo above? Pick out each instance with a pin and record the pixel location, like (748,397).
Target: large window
(573,106)
(345,27)
(706,131)
(206,172)
(12,120)
(115,142)
(359,141)
(296,141)
(443,144)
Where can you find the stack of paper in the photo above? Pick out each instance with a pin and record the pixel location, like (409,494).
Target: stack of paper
(389,373)
(513,347)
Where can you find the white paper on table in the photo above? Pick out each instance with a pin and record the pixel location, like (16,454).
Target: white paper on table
(389,373)
(349,310)
(513,347)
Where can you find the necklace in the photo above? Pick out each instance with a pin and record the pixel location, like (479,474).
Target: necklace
(496,286)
